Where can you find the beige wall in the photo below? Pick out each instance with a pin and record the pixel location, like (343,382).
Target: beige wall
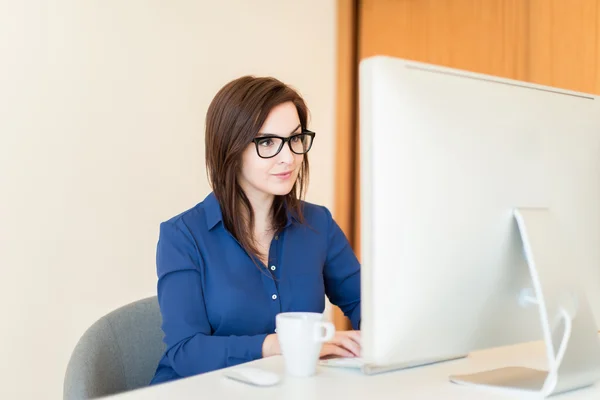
(102,109)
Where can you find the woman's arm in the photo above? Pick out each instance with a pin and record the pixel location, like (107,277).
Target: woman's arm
(191,347)
(342,273)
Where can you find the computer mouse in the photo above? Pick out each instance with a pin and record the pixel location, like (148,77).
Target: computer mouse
(252,376)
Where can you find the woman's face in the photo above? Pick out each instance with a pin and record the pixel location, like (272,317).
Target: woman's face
(264,177)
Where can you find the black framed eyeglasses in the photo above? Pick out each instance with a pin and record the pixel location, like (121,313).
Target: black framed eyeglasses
(268,146)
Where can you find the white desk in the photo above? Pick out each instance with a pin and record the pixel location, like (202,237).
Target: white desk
(429,382)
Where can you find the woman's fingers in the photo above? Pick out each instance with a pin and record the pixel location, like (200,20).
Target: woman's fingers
(331,349)
(349,344)
(354,335)
(343,344)
(350,340)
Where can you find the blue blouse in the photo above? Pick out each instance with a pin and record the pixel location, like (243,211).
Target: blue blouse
(217,306)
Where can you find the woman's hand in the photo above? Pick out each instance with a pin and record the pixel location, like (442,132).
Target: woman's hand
(270,346)
(343,344)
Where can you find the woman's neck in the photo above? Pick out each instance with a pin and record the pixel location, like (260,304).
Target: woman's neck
(262,206)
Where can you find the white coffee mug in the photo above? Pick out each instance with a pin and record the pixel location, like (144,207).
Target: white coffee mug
(301,336)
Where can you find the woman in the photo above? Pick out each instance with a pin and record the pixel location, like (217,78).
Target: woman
(252,248)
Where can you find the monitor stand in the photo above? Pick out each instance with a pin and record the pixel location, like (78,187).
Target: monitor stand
(569,330)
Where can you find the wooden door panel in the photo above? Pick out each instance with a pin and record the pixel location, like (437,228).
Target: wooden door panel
(563,44)
(485,36)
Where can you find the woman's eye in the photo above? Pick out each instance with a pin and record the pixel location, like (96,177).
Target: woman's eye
(265,142)
(297,139)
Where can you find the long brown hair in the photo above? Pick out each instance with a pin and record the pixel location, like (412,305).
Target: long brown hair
(234,118)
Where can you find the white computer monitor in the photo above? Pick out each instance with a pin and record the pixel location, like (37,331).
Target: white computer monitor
(462,176)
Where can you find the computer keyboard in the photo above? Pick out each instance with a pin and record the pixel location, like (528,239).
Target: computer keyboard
(341,362)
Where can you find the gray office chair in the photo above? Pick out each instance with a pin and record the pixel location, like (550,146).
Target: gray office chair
(119,352)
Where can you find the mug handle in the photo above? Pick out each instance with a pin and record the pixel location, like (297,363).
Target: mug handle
(329,331)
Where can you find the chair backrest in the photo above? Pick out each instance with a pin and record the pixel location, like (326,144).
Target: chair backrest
(119,352)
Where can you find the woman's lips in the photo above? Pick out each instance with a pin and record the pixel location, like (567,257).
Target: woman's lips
(283,175)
